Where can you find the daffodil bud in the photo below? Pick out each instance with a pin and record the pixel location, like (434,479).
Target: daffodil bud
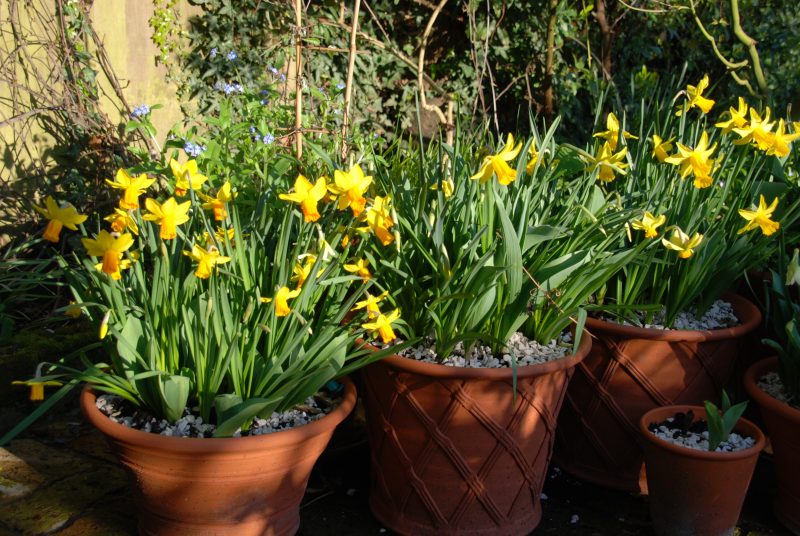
(104,325)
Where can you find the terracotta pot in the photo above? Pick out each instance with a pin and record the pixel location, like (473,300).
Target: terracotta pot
(630,371)
(783,426)
(696,492)
(459,450)
(221,486)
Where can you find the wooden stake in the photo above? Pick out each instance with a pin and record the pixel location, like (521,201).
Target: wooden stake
(348,92)
(298,76)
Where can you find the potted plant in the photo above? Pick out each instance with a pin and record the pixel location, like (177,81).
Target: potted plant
(223,322)
(708,203)
(774,384)
(698,471)
(485,267)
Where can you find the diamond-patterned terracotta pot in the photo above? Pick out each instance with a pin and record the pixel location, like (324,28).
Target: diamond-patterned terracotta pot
(244,486)
(783,426)
(630,371)
(459,450)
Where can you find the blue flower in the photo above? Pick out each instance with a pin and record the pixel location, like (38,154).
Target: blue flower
(340,85)
(268,139)
(256,137)
(194,149)
(140,111)
(252,129)
(283,77)
(264,102)
(231,56)
(213,52)
(273,70)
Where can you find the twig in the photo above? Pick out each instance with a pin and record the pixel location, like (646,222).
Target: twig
(421,63)
(348,92)
(298,84)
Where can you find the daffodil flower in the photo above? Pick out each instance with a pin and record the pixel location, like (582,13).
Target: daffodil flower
(307,196)
(533,157)
(680,242)
(360,268)
(649,224)
(383,325)
(73,310)
(608,162)
(282,298)
(695,161)
(661,148)
(66,216)
(498,164)
(780,142)
(371,304)
(349,189)
(110,247)
(219,203)
(379,220)
(206,260)
(37,387)
(121,220)
(757,131)
(448,187)
(186,176)
(738,118)
(133,187)
(612,134)
(760,217)
(220,235)
(168,215)
(302,270)
(696,98)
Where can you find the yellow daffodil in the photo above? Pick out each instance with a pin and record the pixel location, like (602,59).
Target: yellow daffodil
(498,164)
(110,247)
(37,387)
(379,220)
(133,187)
(780,142)
(371,304)
(349,189)
(186,176)
(219,203)
(758,131)
(103,331)
(206,260)
(360,268)
(66,216)
(695,161)
(533,157)
(121,220)
(73,310)
(613,133)
(282,298)
(609,162)
(303,270)
(760,217)
(220,235)
(680,242)
(383,325)
(738,118)
(696,98)
(168,215)
(307,196)
(448,187)
(661,148)
(649,224)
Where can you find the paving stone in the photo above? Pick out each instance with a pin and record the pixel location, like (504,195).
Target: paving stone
(52,506)
(100,523)
(53,463)
(17,478)
(93,444)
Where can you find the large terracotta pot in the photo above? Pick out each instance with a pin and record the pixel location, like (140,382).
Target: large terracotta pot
(221,486)
(630,371)
(696,492)
(459,450)
(783,426)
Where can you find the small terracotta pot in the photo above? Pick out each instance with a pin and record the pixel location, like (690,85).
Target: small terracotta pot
(696,492)
(630,371)
(459,450)
(783,426)
(224,486)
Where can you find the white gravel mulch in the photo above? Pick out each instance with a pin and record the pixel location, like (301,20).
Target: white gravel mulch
(697,436)
(719,316)
(191,425)
(771,384)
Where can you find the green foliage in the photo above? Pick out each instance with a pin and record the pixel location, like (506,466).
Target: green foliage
(721,421)
(783,313)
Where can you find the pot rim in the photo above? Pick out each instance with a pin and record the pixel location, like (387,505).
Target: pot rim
(743,307)
(761,397)
(743,427)
(407,364)
(196,445)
